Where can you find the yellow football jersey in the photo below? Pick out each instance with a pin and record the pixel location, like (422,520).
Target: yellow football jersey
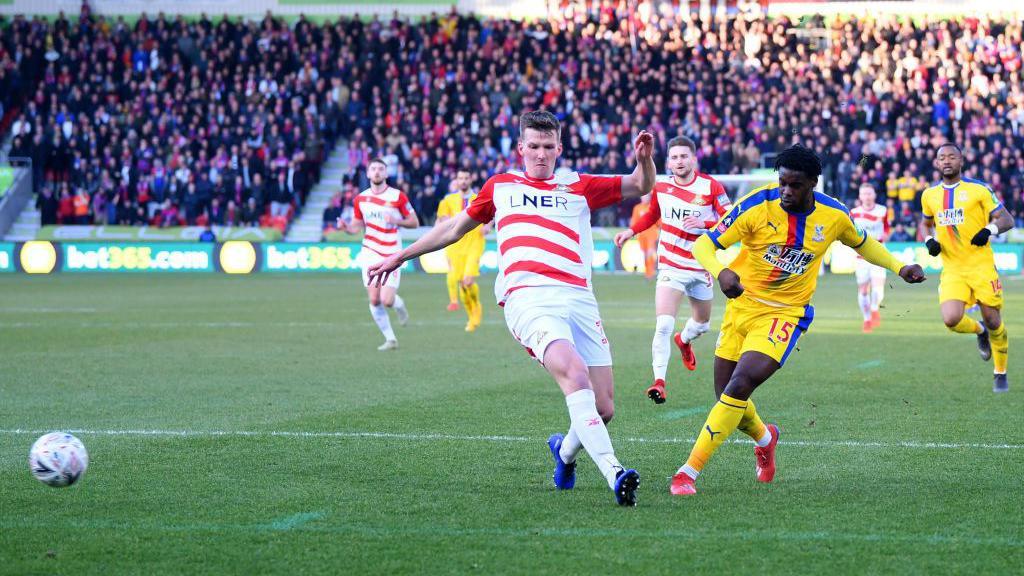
(959,212)
(780,253)
(451,205)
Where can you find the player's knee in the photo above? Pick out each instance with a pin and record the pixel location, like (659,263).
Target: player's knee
(740,386)
(664,324)
(991,320)
(387,301)
(375,301)
(950,320)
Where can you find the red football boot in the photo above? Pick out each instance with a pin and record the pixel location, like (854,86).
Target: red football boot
(682,485)
(452,307)
(657,391)
(876,319)
(689,360)
(766,456)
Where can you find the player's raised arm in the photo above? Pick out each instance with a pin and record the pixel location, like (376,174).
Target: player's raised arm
(641,180)
(444,234)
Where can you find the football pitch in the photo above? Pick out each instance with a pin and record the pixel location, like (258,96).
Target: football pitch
(240,425)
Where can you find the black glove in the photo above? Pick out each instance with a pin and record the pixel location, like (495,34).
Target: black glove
(933,246)
(981,238)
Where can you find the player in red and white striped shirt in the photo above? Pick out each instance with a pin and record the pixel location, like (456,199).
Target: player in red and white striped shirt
(688,203)
(874,219)
(544,282)
(381,210)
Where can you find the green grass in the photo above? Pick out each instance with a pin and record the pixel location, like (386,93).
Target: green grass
(297,354)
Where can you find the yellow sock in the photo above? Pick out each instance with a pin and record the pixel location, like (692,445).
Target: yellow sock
(1000,348)
(478,309)
(967,325)
(453,288)
(467,301)
(724,417)
(751,423)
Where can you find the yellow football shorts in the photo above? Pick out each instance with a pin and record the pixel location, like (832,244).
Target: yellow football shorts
(462,262)
(751,326)
(970,286)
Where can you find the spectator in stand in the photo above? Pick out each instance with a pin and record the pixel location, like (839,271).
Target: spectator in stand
(899,234)
(443,93)
(47,205)
(331,215)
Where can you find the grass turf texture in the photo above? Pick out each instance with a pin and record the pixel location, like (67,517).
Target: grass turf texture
(297,354)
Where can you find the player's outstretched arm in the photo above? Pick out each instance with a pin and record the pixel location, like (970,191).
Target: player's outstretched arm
(641,181)
(874,252)
(705,251)
(444,234)
(1001,221)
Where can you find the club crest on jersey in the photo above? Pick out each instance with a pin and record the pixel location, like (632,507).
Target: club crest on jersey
(963,196)
(819,233)
(788,259)
(950,217)
(563,188)
(697,201)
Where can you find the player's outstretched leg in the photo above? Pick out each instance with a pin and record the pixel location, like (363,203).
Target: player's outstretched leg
(564,363)
(752,369)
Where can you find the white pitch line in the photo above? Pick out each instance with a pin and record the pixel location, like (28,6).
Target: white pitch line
(911,444)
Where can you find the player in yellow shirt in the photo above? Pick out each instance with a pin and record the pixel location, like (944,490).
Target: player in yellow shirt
(784,230)
(963,213)
(464,255)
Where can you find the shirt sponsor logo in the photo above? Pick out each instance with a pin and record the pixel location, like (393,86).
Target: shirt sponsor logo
(950,217)
(788,259)
(538,201)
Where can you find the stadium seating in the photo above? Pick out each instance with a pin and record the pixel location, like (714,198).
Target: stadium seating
(872,96)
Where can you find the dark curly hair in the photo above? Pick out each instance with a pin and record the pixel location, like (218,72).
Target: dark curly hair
(800,158)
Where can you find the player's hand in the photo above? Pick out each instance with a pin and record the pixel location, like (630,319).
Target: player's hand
(694,223)
(933,246)
(981,238)
(390,220)
(729,282)
(912,274)
(621,237)
(643,146)
(379,272)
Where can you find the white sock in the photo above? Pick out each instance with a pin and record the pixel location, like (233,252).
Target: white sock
(864,300)
(380,316)
(693,330)
(688,470)
(593,434)
(399,303)
(664,324)
(766,439)
(877,294)
(571,446)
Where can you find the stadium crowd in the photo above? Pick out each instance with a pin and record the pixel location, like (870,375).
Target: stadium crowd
(167,122)
(151,109)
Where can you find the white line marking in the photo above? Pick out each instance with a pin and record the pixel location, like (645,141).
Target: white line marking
(911,444)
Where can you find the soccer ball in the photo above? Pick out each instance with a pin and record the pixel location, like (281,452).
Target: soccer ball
(58,459)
